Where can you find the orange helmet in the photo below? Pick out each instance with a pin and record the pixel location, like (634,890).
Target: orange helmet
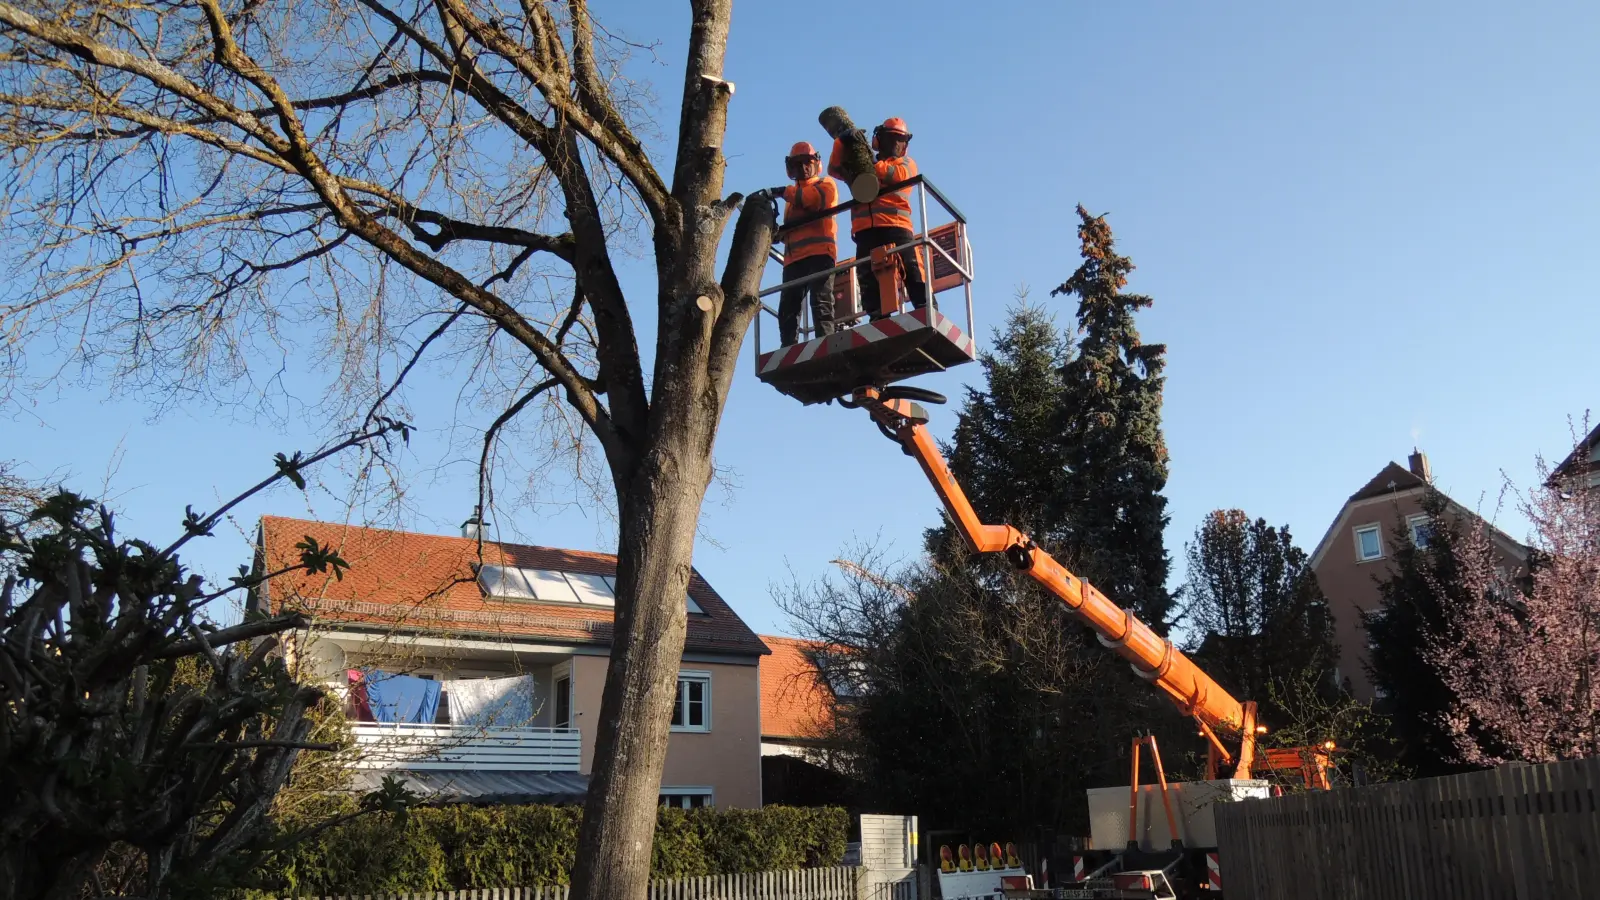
(799,156)
(893,125)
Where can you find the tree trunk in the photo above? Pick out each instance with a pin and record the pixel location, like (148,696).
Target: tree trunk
(656,543)
(701,327)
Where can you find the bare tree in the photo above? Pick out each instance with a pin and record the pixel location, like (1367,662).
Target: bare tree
(196,181)
(964,668)
(1521,652)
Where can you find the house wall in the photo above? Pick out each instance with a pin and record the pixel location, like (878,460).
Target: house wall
(1351,585)
(727,758)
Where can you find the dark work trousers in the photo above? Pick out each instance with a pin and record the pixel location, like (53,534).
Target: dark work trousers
(866,240)
(821,291)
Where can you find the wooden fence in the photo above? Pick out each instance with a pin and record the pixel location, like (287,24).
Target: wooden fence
(1518,832)
(839,883)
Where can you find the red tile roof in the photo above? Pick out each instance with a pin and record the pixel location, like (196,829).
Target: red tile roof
(425,583)
(794,702)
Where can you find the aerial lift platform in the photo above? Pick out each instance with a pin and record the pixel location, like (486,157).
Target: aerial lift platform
(907,342)
(861,366)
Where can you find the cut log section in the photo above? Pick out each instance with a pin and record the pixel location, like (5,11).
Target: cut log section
(860,173)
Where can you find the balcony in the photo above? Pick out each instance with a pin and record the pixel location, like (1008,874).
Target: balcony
(459,747)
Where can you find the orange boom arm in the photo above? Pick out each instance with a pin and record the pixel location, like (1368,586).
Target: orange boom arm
(1153,657)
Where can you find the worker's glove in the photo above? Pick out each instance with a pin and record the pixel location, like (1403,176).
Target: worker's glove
(765,196)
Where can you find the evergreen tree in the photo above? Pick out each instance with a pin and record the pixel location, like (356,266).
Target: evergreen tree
(989,705)
(1260,620)
(1022,691)
(1422,587)
(1007,451)
(1111,510)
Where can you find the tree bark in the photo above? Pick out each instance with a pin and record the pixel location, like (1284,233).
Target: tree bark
(656,543)
(702,327)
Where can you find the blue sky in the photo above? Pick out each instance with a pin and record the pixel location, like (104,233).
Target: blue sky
(1364,227)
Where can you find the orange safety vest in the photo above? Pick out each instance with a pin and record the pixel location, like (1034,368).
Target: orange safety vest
(818,238)
(888,211)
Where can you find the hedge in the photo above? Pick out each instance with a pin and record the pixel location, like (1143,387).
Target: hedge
(460,847)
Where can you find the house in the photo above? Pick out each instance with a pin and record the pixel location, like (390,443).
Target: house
(796,703)
(1582,464)
(799,704)
(1354,555)
(477,674)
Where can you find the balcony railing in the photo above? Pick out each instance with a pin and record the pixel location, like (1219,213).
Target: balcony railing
(401,746)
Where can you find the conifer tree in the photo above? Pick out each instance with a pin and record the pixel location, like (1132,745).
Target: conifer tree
(1421,589)
(1007,452)
(1260,620)
(1110,507)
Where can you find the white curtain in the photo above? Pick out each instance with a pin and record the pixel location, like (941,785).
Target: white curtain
(504,702)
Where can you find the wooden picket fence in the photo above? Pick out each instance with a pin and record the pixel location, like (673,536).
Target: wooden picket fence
(838,883)
(1518,832)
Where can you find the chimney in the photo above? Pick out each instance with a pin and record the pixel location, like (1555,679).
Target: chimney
(472,528)
(1419,465)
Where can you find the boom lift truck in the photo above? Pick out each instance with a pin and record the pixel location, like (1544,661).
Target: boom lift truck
(859,368)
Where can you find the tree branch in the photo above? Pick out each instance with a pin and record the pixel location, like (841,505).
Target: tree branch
(234,634)
(622,150)
(415,356)
(494,429)
(450,230)
(295,149)
(204,525)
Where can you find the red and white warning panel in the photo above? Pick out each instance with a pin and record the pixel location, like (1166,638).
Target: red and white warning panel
(875,353)
(1213,872)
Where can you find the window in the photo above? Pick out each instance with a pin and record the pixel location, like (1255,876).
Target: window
(592,589)
(1369,543)
(691,709)
(515,583)
(563,692)
(1594,478)
(1420,530)
(687,797)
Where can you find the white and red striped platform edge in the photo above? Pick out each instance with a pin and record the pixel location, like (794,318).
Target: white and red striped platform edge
(862,335)
(1213,872)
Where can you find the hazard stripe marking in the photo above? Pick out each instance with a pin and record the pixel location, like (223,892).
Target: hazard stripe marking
(870,332)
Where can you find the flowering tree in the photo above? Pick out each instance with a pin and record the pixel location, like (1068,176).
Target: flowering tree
(1522,650)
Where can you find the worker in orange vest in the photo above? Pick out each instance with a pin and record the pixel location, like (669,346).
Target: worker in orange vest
(885,221)
(810,248)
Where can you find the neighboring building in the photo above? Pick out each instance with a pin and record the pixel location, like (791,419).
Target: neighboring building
(798,705)
(479,678)
(1583,463)
(1354,555)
